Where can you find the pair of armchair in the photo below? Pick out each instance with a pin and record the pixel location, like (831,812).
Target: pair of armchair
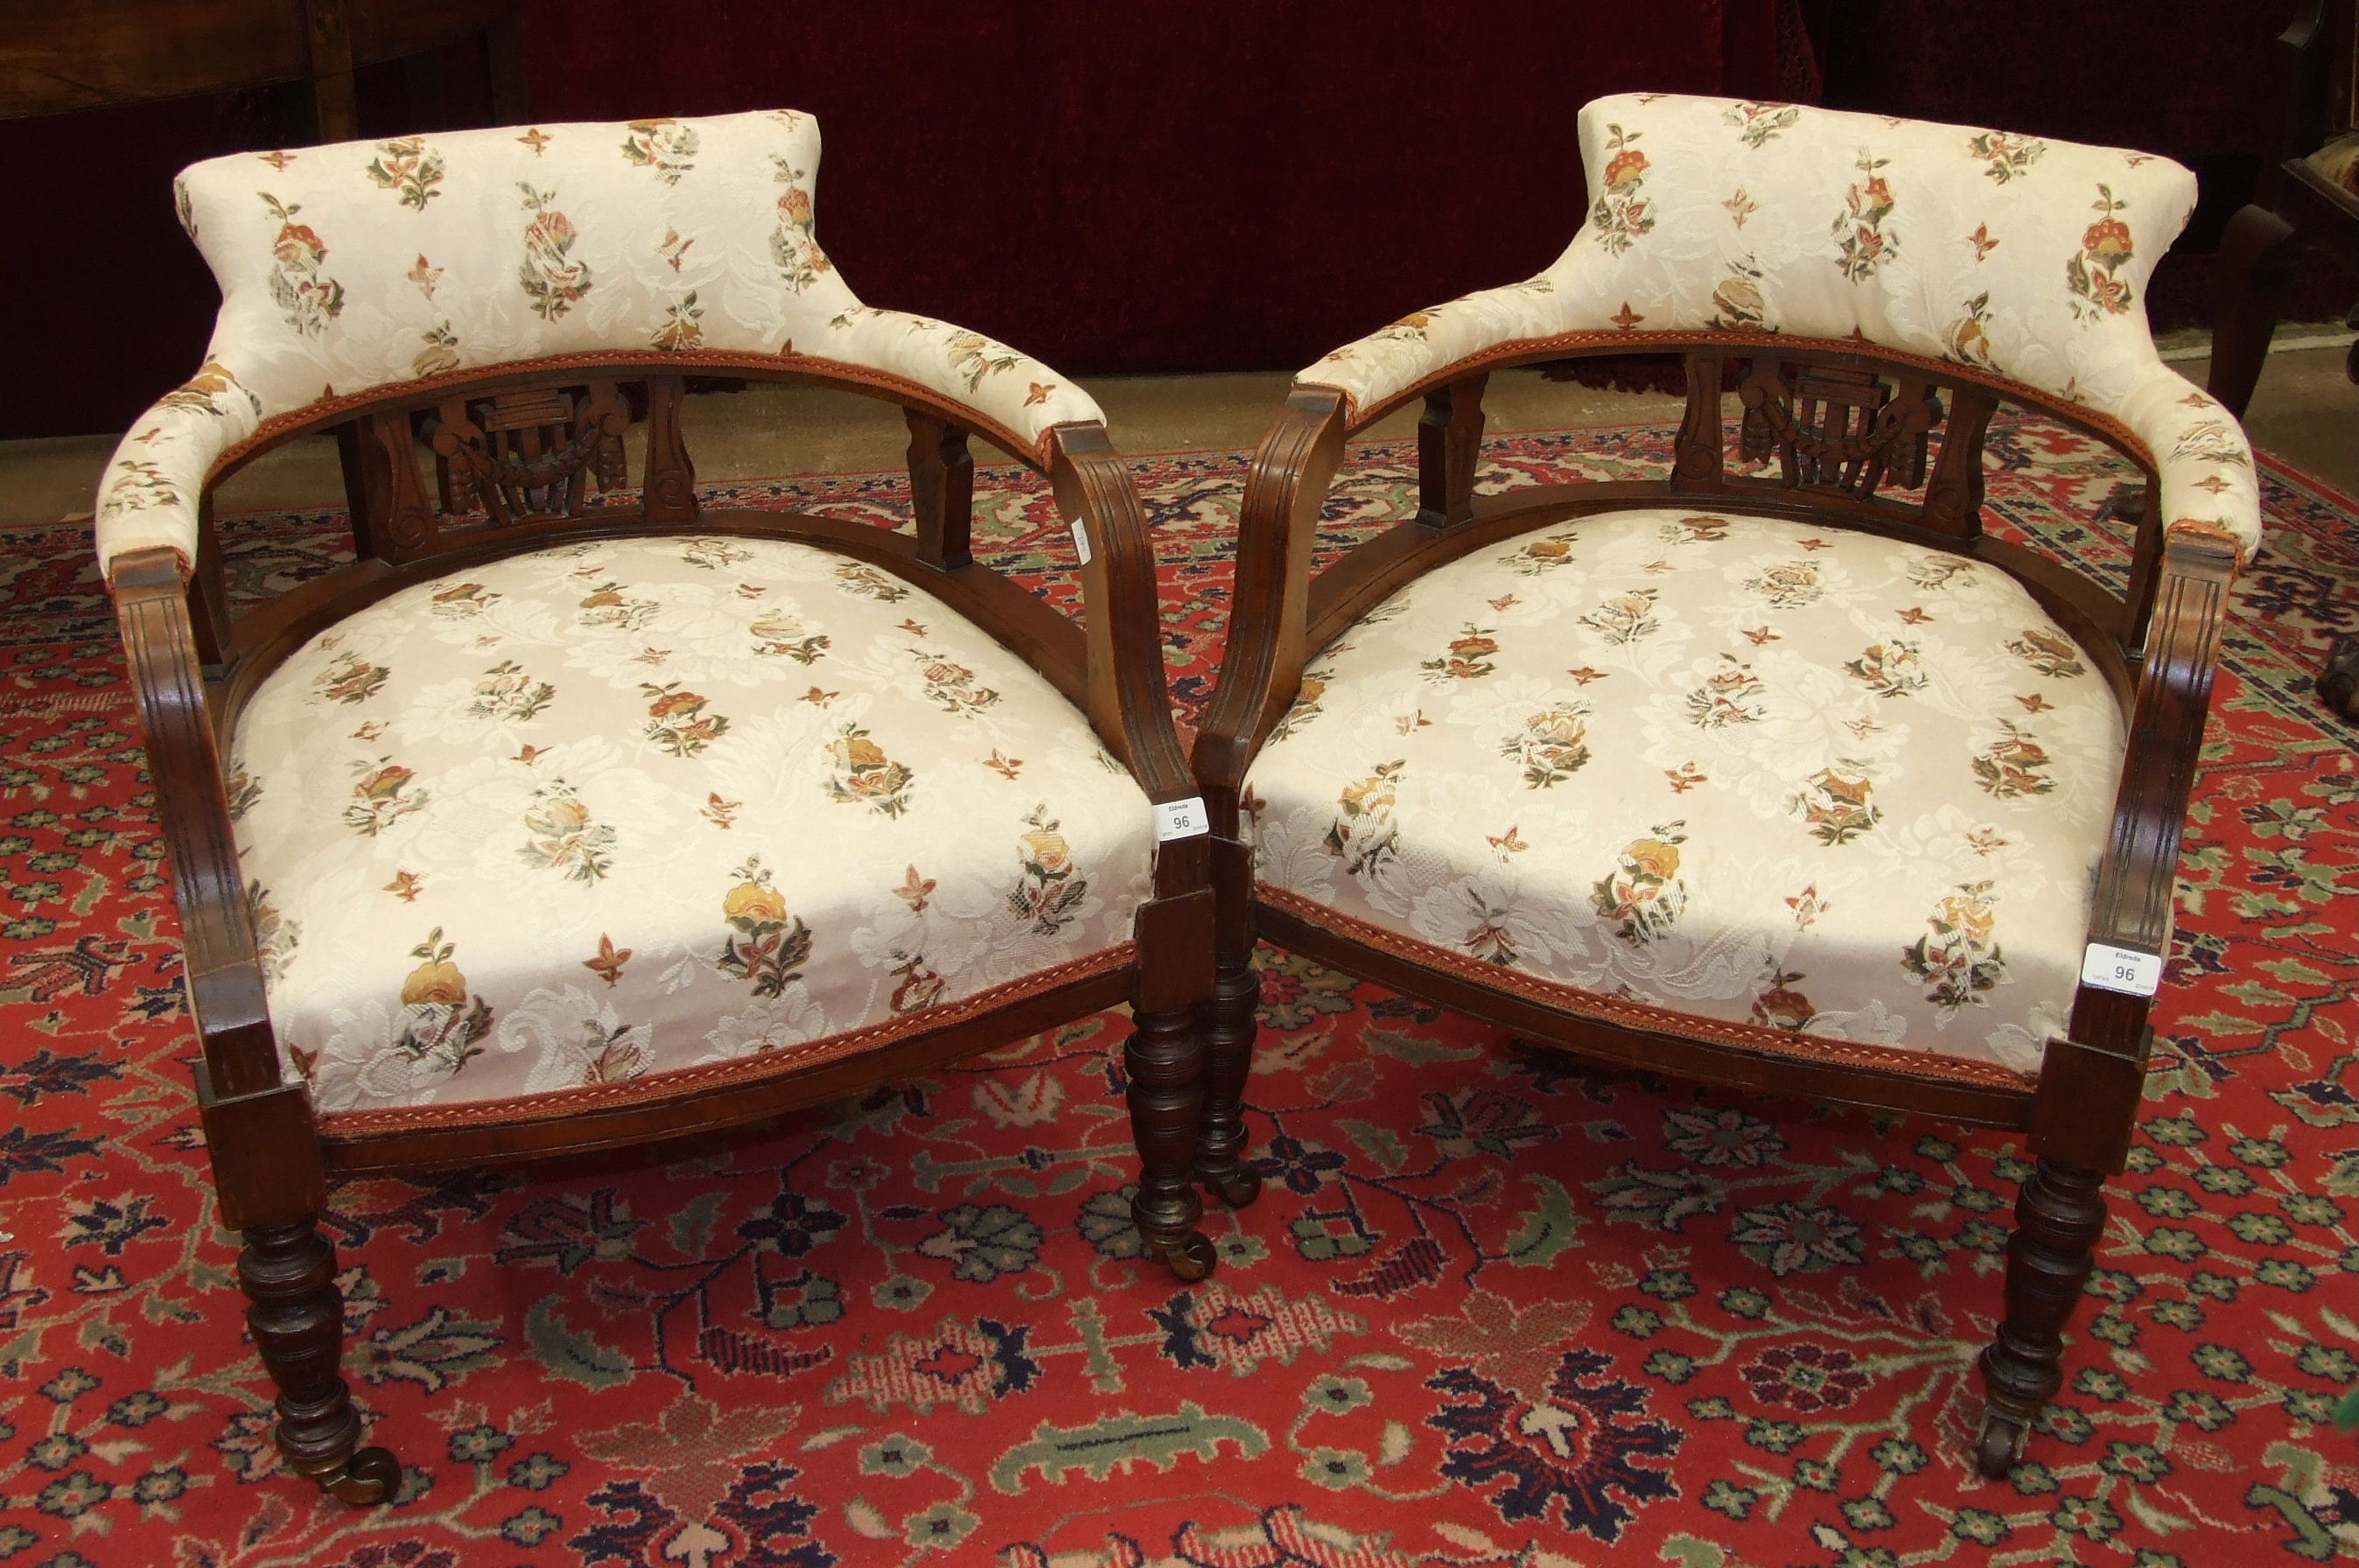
(549,826)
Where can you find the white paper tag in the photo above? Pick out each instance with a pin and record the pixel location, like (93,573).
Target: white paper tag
(2122,969)
(1080,541)
(1181,819)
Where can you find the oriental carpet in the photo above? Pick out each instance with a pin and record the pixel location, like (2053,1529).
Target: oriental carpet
(1495,1307)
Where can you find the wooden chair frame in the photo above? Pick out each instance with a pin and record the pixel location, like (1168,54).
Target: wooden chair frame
(2156,643)
(193,665)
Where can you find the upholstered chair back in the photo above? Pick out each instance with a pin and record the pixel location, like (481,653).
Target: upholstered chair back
(2021,257)
(352,268)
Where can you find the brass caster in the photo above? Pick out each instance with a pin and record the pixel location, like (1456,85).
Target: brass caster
(1190,1260)
(1236,1188)
(2000,1446)
(370,1477)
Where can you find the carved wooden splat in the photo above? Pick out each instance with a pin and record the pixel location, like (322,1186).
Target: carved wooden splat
(1834,429)
(530,454)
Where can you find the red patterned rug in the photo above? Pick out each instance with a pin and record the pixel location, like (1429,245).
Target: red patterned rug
(1496,1307)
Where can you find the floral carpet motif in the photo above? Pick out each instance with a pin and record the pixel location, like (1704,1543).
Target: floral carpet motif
(1495,1307)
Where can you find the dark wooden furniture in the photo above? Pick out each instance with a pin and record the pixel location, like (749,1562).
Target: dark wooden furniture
(194,664)
(92,54)
(2155,641)
(2295,208)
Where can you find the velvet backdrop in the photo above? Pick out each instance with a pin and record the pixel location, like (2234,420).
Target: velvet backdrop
(1156,185)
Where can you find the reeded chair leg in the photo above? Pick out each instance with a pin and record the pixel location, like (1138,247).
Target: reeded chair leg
(1166,1062)
(297,1315)
(2057,1218)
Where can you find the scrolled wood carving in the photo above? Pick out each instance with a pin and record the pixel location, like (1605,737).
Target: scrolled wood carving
(1836,428)
(523,456)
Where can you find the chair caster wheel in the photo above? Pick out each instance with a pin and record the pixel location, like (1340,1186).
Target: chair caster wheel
(370,1477)
(1190,1260)
(1237,1189)
(2000,1446)
(2338,679)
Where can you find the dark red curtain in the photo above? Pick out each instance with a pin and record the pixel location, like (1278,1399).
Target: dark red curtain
(1136,187)
(1156,185)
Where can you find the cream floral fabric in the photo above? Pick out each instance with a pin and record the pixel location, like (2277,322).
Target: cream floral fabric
(1811,780)
(2014,254)
(607,810)
(364,265)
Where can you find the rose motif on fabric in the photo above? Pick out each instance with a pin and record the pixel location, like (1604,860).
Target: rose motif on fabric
(552,280)
(1621,213)
(2004,157)
(446,1022)
(408,168)
(664,145)
(1757,123)
(768,944)
(310,299)
(1862,243)
(1958,958)
(1364,835)
(1643,893)
(864,775)
(2093,273)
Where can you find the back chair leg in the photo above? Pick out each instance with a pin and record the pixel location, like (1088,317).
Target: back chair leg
(1166,1062)
(288,1273)
(2058,1217)
(1229,1027)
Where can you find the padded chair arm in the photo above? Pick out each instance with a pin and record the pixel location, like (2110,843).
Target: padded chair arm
(2210,491)
(156,478)
(1261,670)
(223,975)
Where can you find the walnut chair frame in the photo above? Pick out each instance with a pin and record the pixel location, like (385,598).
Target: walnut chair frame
(518,446)
(1845,419)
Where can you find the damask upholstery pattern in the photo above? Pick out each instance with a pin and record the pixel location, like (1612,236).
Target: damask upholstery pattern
(2010,255)
(365,265)
(1804,781)
(754,795)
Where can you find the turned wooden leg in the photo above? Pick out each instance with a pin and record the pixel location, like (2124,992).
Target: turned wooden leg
(2057,1218)
(288,1273)
(1166,1062)
(2338,678)
(2256,254)
(1228,1026)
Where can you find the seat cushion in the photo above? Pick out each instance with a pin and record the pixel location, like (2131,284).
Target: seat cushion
(1787,783)
(620,808)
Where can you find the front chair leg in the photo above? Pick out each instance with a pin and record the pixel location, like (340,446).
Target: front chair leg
(2057,1219)
(297,1315)
(1165,1061)
(1229,1027)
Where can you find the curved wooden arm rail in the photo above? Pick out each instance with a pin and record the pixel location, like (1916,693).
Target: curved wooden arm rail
(1847,423)
(521,450)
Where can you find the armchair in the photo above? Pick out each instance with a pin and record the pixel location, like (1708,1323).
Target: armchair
(566,818)
(1796,781)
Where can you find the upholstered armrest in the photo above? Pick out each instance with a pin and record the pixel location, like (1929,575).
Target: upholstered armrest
(1422,344)
(2209,488)
(221,973)
(150,495)
(1003,388)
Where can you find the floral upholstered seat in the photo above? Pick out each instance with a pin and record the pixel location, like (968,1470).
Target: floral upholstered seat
(606,811)
(1729,776)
